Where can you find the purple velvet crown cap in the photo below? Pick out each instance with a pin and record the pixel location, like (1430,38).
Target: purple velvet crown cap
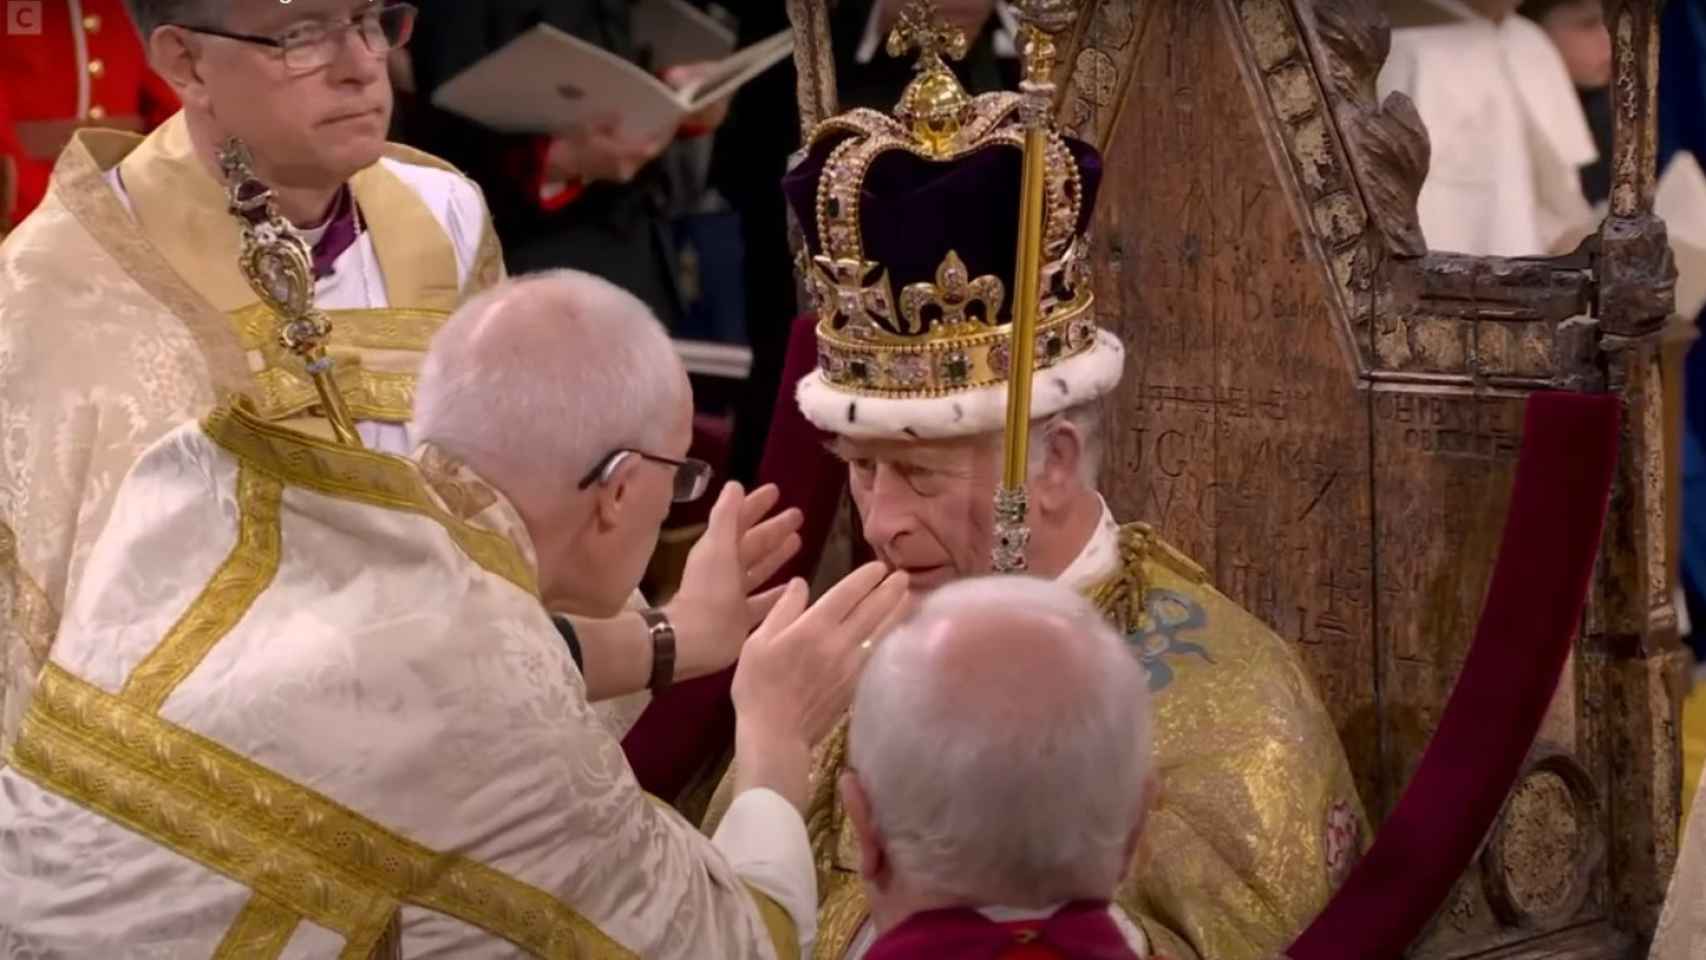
(913,211)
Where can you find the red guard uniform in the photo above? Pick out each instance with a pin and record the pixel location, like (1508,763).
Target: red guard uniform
(66,64)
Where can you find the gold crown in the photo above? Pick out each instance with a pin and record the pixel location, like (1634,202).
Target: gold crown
(944,334)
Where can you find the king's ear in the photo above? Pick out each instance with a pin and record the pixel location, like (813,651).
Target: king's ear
(1063,452)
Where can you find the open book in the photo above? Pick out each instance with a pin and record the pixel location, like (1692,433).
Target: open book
(546,81)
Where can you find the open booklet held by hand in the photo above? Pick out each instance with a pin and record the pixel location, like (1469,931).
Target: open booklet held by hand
(546,82)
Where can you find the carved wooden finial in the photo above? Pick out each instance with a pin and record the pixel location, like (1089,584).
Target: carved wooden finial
(922,28)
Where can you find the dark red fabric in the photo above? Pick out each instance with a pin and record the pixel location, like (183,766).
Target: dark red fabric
(1534,606)
(694,721)
(1078,931)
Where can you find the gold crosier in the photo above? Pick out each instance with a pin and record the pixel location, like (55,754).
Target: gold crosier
(1041,20)
(279,266)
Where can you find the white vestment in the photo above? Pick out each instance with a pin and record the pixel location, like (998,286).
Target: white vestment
(123,313)
(1507,132)
(306,699)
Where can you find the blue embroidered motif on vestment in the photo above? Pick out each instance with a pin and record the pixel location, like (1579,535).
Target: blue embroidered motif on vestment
(1166,615)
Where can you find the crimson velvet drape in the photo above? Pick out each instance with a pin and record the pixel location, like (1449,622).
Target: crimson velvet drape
(1534,607)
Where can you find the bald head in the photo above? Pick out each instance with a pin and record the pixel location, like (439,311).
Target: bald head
(1001,740)
(532,382)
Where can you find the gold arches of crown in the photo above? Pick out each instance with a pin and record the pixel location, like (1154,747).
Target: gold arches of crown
(936,338)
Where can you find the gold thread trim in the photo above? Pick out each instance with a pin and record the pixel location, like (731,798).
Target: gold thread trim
(838,921)
(245,574)
(141,772)
(369,394)
(28,609)
(262,930)
(780,925)
(360,476)
(387,328)
(329,864)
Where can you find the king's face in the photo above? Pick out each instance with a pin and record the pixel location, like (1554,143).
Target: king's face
(927,507)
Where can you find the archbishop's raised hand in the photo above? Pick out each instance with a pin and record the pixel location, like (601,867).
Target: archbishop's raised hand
(716,605)
(797,674)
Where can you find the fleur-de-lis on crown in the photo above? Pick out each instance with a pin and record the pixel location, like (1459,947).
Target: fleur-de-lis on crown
(953,294)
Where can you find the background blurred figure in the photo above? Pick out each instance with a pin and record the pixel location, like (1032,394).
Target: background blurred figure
(593,199)
(1506,127)
(66,64)
(1017,818)
(1577,29)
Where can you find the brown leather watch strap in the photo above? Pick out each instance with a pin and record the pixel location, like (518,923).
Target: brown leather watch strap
(663,648)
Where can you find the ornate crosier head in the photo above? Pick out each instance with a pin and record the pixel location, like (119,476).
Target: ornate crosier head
(279,266)
(911,224)
(275,260)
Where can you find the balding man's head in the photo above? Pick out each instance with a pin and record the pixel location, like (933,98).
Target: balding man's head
(537,381)
(1000,752)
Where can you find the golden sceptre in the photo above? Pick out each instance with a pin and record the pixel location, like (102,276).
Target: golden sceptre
(1042,20)
(279,266)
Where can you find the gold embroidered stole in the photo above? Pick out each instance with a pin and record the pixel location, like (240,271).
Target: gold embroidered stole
(182,211)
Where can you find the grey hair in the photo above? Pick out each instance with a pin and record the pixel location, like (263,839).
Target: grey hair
(1087,418)
(535,380)
(150,15)
(991,797)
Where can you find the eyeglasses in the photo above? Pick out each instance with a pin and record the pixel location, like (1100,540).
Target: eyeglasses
(314,44)
(691,476)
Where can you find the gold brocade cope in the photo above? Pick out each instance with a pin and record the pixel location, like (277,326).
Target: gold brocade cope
(1258,820)
(295,847)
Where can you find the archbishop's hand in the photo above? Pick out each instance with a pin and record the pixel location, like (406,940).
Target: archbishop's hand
(716,605)
(797,674)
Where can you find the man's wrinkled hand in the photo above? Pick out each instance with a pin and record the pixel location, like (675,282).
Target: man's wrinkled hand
(717,604)
(797,674)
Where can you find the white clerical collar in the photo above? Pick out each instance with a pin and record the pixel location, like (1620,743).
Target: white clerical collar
(1099,558)
(1017,914)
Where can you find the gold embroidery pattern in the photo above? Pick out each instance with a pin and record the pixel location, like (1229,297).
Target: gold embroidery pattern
(246,572)
(309,854)
(361,476)
(389,328)
(488,263)
(27,608)
(465,496)
(142,772)
(261,931)
(370,394)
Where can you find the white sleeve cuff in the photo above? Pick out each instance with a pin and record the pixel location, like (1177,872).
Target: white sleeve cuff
(764,839)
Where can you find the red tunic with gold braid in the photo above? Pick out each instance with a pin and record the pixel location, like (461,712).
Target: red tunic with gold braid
(66,64)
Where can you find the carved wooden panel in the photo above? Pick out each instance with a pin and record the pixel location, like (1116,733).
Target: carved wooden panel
(1327,416)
